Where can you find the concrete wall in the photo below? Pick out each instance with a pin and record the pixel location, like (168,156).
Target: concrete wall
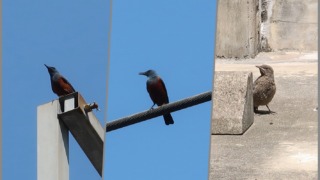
(238,26)
(289,25)
(246,27)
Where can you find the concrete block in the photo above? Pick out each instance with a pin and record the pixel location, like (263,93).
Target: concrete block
(232,111)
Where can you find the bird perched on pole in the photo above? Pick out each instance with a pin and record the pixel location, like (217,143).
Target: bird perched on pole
(158,92)
(264,87)
(59,84)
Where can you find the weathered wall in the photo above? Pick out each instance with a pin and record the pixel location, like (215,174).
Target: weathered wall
(238,26)
(289,25)
(246,27)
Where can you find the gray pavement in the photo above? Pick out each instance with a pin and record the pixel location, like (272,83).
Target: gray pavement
(283,145)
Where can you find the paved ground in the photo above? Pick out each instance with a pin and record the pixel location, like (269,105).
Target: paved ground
(277,146)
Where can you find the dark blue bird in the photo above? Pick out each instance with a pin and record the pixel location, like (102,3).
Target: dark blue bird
(158,92)
(59,84)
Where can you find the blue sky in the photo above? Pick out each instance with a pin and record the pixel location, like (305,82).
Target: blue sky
(173,37)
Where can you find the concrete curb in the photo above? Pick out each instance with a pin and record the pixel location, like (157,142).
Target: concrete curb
(232,102)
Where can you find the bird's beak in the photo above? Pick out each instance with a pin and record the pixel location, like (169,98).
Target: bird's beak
(142,73)
(47,66)
(262,71)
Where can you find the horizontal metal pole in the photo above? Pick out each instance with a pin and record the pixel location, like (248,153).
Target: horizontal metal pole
(159,111)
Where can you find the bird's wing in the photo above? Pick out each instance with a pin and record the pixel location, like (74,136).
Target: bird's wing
(67,87)
(165,90)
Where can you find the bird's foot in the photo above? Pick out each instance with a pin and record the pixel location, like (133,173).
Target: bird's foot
(152,106)
(272,112)
(263,112)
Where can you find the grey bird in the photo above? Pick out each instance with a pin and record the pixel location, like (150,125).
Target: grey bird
(264,87)
(158,92)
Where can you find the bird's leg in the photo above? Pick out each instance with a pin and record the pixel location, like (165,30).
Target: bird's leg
(153,105)
(268,108)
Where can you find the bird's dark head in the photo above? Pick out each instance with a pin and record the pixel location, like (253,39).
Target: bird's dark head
(149,73)
(51,70)
(265,70)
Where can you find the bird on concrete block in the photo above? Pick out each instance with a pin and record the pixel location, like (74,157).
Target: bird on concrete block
(158,92)
(59,84)
(264,87)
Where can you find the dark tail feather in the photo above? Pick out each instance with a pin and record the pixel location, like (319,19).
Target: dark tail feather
(168,119)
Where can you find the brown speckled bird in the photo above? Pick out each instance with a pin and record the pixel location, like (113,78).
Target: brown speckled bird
(264,87)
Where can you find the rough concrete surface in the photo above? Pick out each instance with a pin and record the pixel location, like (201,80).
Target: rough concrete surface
(293,25)
(281,145)
(237,28)
(232,102)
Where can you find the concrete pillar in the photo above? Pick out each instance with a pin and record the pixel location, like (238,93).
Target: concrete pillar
(238,26)
(52,144)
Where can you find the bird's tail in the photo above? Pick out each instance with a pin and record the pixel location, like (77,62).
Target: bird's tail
(168,119)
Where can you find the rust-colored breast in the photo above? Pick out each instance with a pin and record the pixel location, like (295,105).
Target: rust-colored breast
(157,91)
(62,87)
